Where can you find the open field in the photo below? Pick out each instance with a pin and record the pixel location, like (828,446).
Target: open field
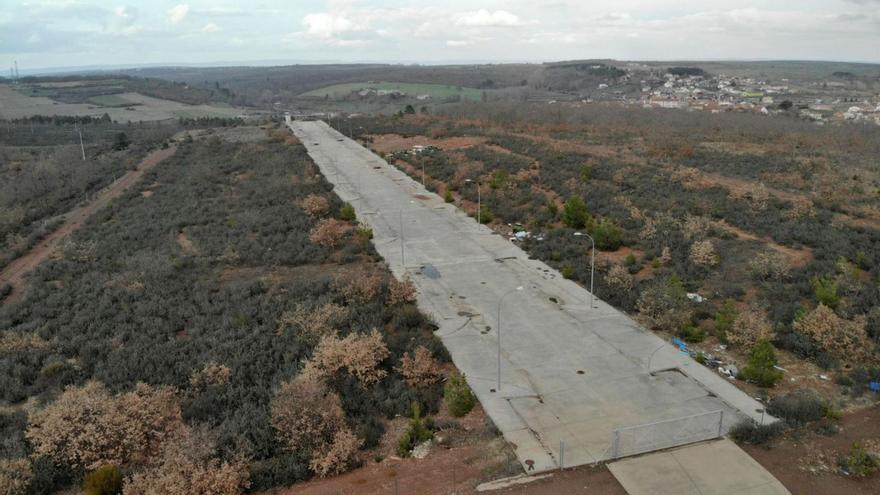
(186,306)
(410,89)
(15,105)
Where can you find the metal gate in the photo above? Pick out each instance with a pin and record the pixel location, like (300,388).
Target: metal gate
(639,439)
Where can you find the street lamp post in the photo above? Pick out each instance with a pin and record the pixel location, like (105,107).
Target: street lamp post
(500,301)
(592,266)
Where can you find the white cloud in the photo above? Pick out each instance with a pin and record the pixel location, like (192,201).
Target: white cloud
(178,13)
(326,26)
(456,43)
(210,28)
(484,18)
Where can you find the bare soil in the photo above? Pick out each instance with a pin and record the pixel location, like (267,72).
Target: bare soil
(13,274)
(786,459)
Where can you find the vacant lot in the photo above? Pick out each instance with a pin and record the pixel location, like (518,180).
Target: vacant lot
(204,282)
(15,105)
(410,89)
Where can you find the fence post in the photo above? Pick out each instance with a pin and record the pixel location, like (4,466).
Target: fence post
(561,455)
(615,444)
(720,421)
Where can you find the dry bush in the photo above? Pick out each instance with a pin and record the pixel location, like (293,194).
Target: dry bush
(360,286)
(662,309)
(665,255)
(308,417)
(697,227)
(756,194)
(844,339)
(188,465)
(420,369)
(315,322)
(619,278)
(11,217)
(315,205)
(15,476)
(87,427)
(211,374)
(801,207)
(401,291)
(15,342)
(81,252)
(329,232)
(703,254)
(359,354)
(749,327)
(769,265)
(338,456)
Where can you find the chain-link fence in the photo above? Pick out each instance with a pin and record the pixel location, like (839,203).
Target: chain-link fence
(633,440)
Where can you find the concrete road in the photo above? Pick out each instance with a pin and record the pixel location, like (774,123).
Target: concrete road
(711,468)
(570,375)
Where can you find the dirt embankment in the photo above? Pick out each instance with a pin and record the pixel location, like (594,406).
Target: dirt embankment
(13,274)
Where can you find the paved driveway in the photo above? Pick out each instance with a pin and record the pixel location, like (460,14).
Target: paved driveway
(570,374)
(711,468)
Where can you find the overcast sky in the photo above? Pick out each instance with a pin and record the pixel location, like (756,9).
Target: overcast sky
(53,33)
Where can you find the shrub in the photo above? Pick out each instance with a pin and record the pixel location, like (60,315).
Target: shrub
(347,213)
(106,480)
(753,433)
(419,430)
(87,427)
(309,418)
(189,465)
(212,374)
(400,292)
(15,476)
(338,457)
(5,290)
(459,397)
(798,407)
(486,215)
(359,354)
(607,236)
(859,462)
(769,265)
(314,322)
(760,368)
(664,305)
(360,286)
(844,339)
(703,254)
(619,278)
(447,196)
(574,213)
(724,318)
(329,232)
(691,333)
(825,289)
(315,205)
(567,271)
(420,369)
(749,327)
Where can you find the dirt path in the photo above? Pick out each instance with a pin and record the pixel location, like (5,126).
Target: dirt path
(13,274)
